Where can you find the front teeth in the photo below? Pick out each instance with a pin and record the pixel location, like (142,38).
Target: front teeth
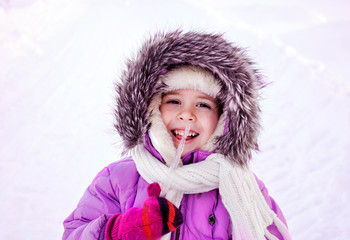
(179,132)
(182,132)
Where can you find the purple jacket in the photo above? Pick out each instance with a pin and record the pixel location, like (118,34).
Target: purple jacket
(119,187)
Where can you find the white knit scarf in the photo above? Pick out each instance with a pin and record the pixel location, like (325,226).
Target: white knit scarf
(240,193)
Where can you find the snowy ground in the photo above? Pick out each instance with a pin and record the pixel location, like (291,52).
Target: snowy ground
(59,60)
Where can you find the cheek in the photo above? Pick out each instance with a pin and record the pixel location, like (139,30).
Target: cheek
(211,122)
(166,115)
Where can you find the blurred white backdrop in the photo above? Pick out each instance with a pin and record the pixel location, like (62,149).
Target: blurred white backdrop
(59,60)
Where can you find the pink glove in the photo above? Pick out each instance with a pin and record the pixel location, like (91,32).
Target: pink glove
(157,217)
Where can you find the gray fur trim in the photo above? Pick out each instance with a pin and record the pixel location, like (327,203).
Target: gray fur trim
(234,71)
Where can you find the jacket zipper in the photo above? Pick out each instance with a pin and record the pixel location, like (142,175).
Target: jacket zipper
(177,236)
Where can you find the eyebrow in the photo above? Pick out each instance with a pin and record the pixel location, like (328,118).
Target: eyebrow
(169,93)
(201,96)
(207,97)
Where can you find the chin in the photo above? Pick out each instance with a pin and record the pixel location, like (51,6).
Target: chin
(185,152)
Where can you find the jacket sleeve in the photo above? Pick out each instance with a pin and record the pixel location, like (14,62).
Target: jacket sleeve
(99,202)
(273,205)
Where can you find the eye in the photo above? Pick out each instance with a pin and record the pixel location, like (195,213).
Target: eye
(203,105)
(173,101)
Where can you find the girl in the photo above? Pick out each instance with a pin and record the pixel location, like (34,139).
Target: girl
(187,111)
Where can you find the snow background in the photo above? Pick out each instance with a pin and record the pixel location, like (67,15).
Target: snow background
(58,61)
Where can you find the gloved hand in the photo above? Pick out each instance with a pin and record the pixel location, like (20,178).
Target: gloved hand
(157,217)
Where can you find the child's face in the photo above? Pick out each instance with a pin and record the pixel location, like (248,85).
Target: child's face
(186,107)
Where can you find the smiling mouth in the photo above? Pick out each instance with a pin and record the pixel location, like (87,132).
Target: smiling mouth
(179,133)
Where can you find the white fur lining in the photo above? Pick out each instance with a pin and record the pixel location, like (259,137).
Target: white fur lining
(191,77)
(160,138)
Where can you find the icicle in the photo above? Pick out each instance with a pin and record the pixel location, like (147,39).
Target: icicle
(177,158)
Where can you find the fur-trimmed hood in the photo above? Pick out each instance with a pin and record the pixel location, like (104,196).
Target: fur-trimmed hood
(234,71)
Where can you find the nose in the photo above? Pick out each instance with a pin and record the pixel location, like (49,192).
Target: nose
(186,115)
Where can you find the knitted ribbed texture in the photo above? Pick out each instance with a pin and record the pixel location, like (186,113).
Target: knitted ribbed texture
(240,193)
